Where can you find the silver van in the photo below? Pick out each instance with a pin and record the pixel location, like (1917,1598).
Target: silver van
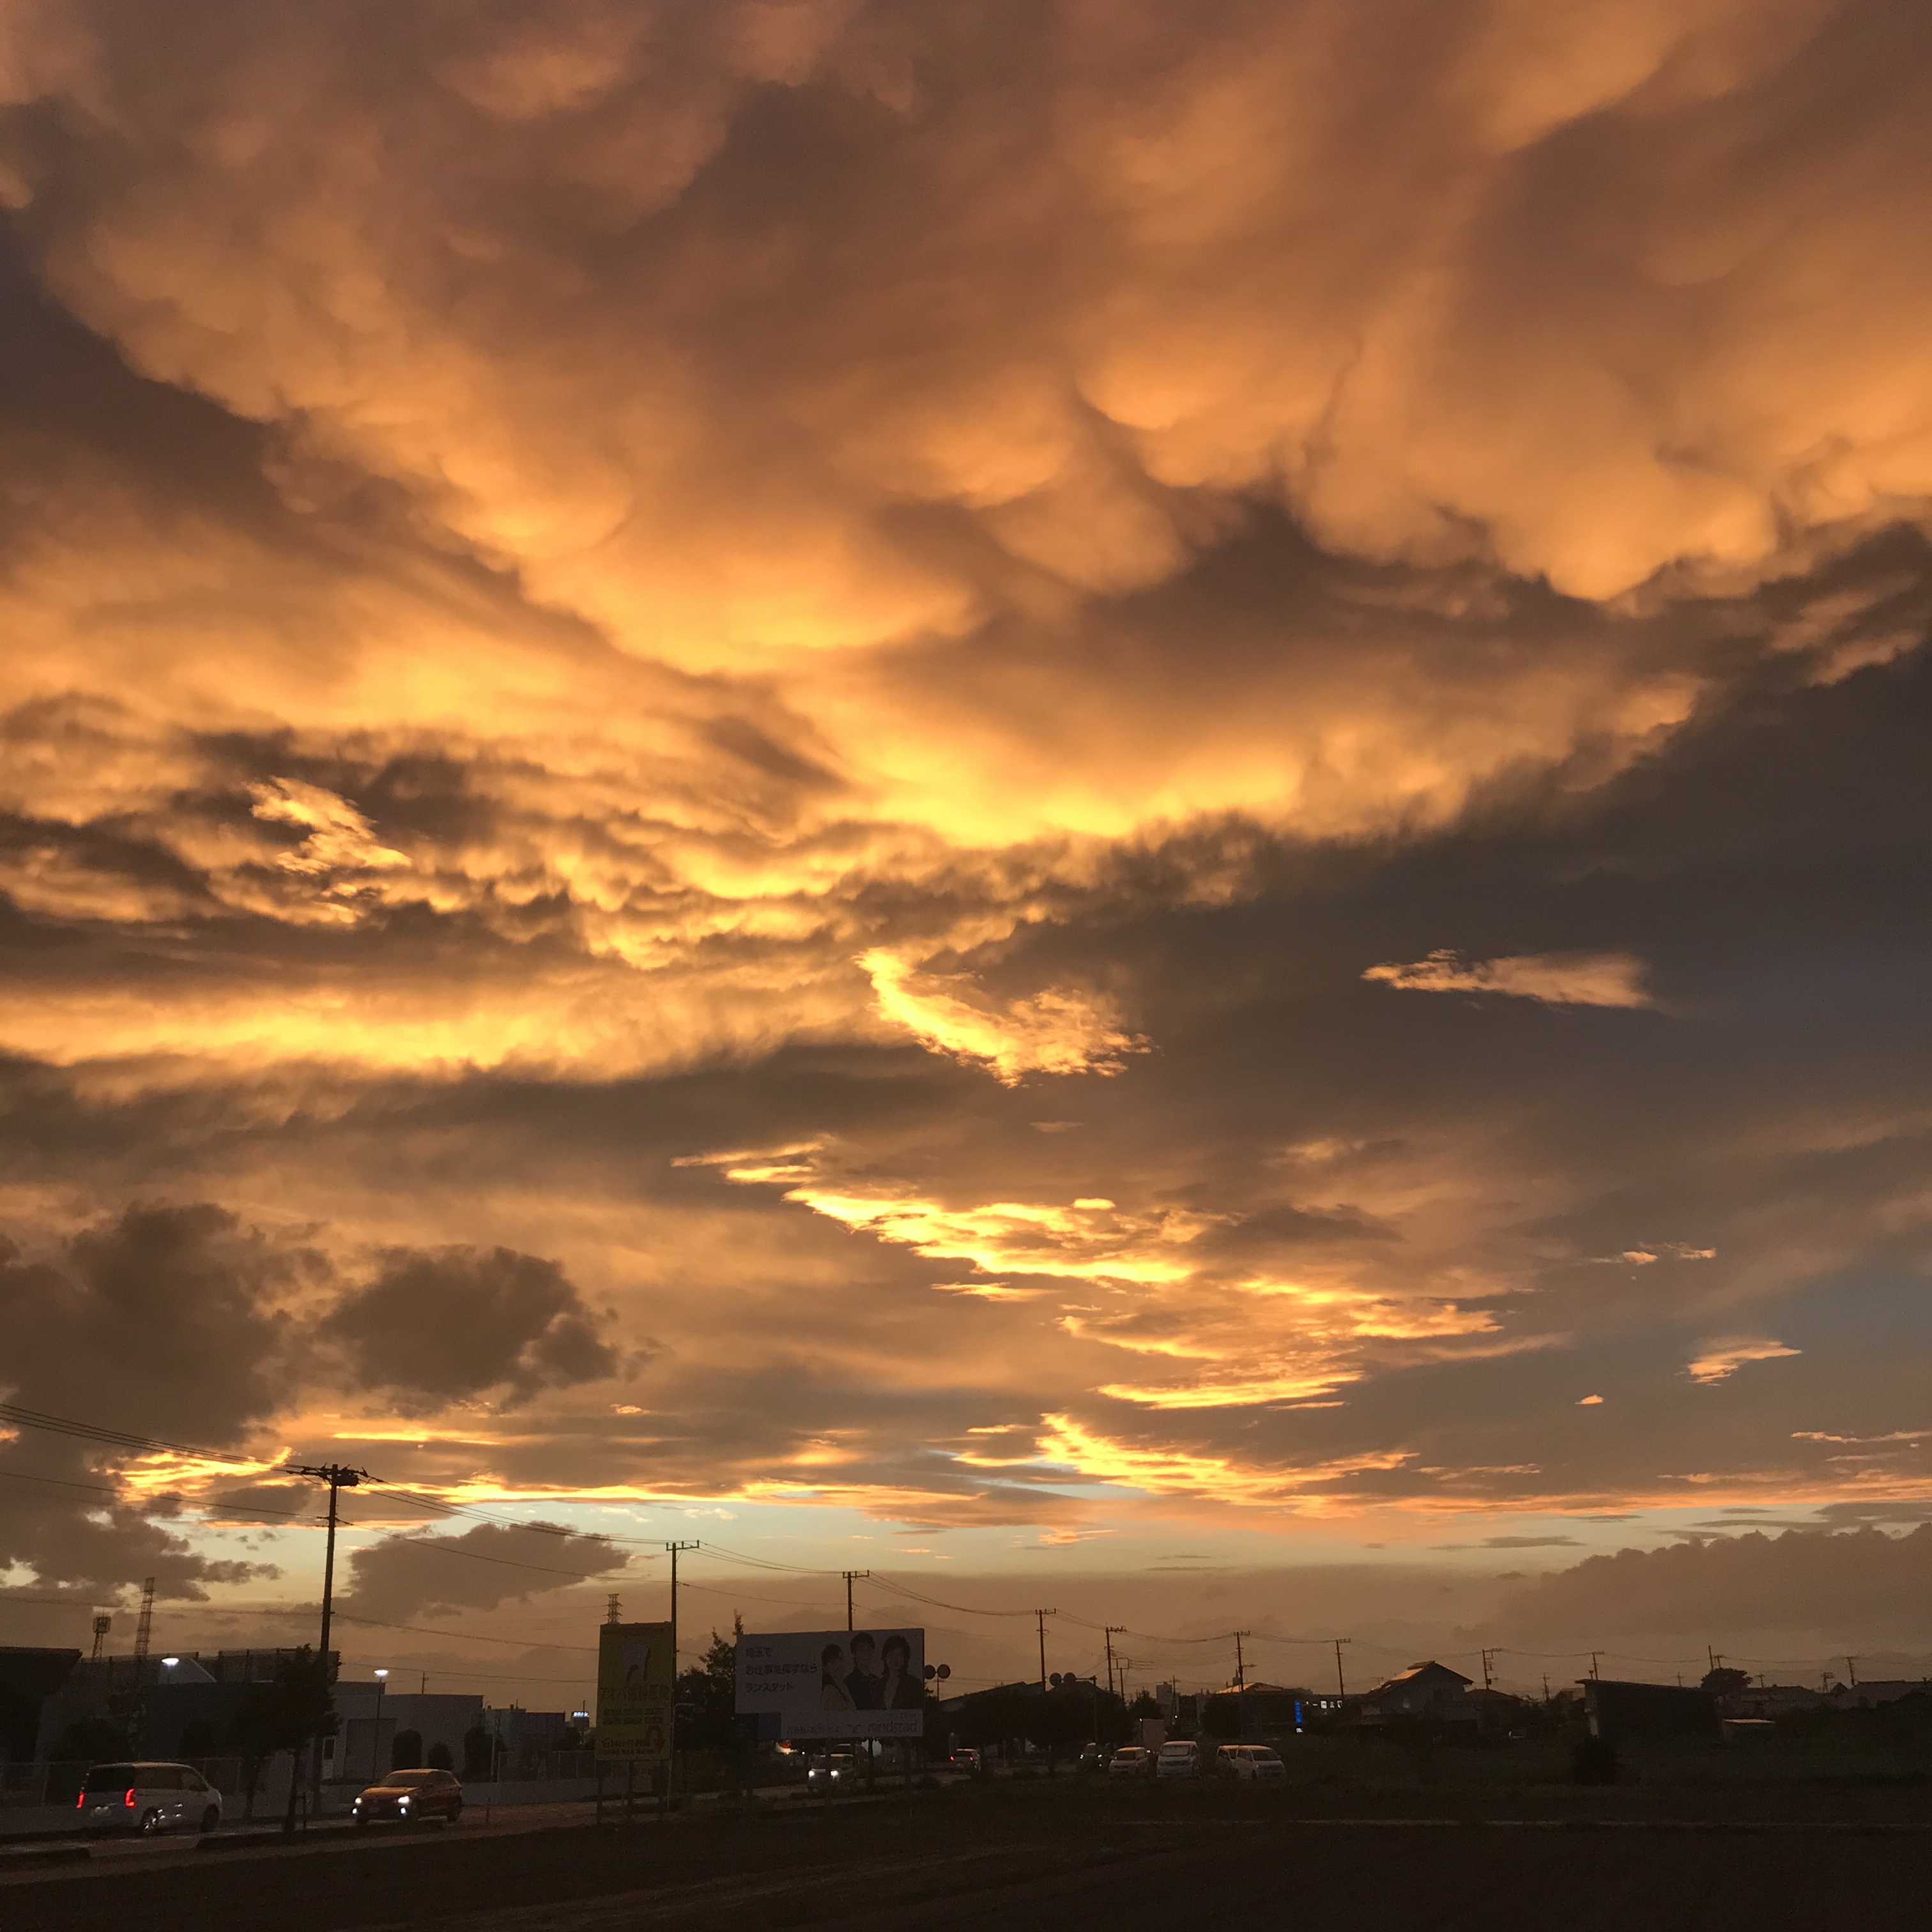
(147,1797)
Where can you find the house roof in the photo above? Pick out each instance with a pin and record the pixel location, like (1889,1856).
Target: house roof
(1415,1673)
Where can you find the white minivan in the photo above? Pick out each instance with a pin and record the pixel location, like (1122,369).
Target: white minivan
(148,1798)
(1176,1760)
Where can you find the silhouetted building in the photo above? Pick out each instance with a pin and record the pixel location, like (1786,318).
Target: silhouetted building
(28,1677)
(185,1709)
(1619,1711)
(1427,1690)
(1257,1710)
(1880,1690)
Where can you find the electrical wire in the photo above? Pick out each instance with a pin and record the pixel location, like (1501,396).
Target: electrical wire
(301,1518)
(965,1609)
(120,1438)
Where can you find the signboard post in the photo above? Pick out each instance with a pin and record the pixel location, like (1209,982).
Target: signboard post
(635,1666)
(863,1684)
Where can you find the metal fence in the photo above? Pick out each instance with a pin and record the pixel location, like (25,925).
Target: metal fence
(27,1784)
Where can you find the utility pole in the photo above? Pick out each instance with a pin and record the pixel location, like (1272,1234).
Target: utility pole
(1113,1631)
(102,1625)
(613,1610)
(1594,1672)
(851,1575)
(1851,1671)
(1546,1687)
(1341,1686)
(670,1756)
(1240,1665)
(673,1549)
(1039,1618)
(1488,1680)
(338,1478)
(144,1629)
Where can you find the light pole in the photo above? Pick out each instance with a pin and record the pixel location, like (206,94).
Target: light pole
(376,1742)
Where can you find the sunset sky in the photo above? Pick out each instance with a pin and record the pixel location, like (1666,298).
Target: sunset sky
(1111,802)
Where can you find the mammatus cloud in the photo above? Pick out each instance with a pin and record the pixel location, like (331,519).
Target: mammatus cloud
(536,539)
(1556,979)
(1723,1358)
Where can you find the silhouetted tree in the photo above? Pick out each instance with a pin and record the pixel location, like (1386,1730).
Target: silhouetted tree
(707,1696)
(440,1758)
(282,1715)
(405,1750)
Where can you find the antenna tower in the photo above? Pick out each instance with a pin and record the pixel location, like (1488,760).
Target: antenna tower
(144,1630)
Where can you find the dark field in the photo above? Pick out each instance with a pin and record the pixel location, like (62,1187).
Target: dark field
(1078,1857)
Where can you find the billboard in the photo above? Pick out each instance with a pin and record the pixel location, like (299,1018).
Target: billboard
(634,1666)
(835,1684)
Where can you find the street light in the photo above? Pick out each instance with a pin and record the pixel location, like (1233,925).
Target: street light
(376,1743)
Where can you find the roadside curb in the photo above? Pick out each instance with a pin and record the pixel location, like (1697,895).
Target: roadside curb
(44,1854)
(244,1841)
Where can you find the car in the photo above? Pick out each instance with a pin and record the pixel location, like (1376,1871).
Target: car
(1129,1761)
(966,1759)
(409,1797)
(1177,1759)
(835,1771)
(1254,1762)
(141,1797)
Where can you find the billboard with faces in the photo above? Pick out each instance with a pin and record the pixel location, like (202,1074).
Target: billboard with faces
(835,1684)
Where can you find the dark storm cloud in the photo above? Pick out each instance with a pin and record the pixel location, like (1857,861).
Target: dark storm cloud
(163,1321)
(478,1569)
(438,1327)
(161,1317)
(184,1323)
(1802,1580)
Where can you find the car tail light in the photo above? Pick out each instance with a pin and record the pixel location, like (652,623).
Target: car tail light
(129,1801)
(80,1801)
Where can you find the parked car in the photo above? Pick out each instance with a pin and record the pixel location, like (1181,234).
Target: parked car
(147,1797)
(835,1772)
(1130,1761)
(1254,1762)
(1176,1760)
(966,1759)
(409,1797)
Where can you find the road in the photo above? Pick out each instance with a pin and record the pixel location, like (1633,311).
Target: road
(1127,1861)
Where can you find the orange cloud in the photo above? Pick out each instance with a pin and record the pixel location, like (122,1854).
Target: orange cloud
(1557,980)
(1721,1360)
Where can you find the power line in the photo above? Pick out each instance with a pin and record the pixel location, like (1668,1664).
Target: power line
(965,1609)
(119,1438)
(445,1545)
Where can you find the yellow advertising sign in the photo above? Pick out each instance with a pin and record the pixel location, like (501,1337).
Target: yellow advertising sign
(634,1692)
